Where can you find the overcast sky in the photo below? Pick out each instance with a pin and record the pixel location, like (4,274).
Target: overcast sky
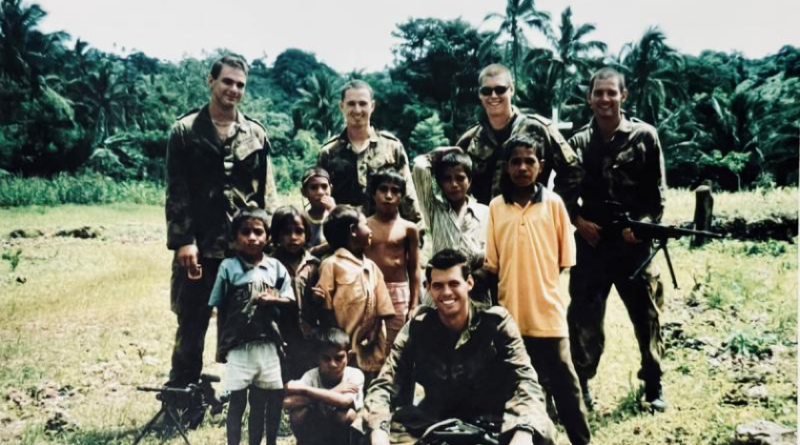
(356,34)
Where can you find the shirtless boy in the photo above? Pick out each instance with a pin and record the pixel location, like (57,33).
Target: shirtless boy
(395,247)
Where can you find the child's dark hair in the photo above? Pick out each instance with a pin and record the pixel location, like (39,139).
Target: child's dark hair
(445,259)
(506,185)
(248,214)
(315,172)
(331,338)
(383,175)
(339,225)
(284,217)
(452,159)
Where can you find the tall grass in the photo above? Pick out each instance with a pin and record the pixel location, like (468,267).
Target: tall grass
(16,191)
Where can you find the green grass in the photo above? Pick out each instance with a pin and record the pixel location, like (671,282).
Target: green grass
(92,321)
(17,191)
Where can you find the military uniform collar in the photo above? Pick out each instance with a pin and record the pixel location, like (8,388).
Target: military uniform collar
(473,321)
(373,137)
(239,123)
(513,120)
(625,125)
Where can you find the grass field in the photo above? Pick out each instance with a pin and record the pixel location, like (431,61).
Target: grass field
(84,321)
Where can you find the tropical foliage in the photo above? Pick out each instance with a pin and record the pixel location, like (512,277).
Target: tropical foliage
(66,107)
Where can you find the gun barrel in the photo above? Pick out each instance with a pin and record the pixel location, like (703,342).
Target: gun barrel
(164,389)
(645,230)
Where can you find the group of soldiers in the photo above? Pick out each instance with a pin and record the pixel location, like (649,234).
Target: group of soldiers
(219,161)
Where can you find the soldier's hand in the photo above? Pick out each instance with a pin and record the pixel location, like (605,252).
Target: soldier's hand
(379,437)
(588,230)
(187,257)
(628,236)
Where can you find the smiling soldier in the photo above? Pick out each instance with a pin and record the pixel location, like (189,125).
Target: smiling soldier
(501,121)
(353,156)
(218,162)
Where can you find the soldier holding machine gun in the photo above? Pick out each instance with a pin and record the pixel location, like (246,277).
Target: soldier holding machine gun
(623,162)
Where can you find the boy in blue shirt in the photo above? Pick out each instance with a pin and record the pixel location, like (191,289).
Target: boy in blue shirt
(248,291)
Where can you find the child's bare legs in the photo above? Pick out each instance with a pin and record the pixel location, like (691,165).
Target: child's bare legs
(233,423)
(274,408)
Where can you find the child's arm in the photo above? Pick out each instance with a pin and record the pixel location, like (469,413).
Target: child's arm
(283,296)
(342,396)
(220,287)
(412,266)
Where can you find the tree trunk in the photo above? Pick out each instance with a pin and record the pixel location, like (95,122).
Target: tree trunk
(703,212)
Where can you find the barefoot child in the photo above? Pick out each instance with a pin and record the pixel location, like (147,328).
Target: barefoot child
(323,404)
(247,292)
(529,241)
(352,286)
(394,248)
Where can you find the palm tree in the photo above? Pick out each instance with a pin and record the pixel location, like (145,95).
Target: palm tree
(564,65)
(654,73)
(24,51)
(518,14)
(318,104)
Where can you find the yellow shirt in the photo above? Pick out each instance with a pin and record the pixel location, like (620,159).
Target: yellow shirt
(526,247)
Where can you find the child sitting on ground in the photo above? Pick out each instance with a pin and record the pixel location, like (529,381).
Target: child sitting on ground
(316,188)
(290,230)
(247,293)
(394,247)
(352,286)
(323,404)
(454,219)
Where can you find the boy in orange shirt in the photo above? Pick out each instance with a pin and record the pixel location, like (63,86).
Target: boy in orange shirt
(529,242)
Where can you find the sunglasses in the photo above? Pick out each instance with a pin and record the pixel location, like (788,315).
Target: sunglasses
(498,90)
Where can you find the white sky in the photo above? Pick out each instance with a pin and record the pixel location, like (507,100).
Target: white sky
(356,34)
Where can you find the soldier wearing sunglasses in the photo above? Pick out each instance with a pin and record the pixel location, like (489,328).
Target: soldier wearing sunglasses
(500,122)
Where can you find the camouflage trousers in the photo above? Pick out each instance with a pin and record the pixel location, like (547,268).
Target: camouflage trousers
(597,269)
(189,302)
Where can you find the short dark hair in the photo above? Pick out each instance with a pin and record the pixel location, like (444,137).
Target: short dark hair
(315,172)
(452,159)
(389,175)
(506,185)
(607,73)
(331,338)
(231,60)
(445,259)
(356,84)
(283,217)
(246,215)
(338,225)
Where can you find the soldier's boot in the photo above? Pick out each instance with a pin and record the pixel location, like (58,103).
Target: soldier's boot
(588,400)
(654,395)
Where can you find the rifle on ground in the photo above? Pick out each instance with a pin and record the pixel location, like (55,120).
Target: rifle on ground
(458,432)
(657,233)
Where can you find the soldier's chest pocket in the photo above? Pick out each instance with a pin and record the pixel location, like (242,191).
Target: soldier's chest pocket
(381,159)
(247,154)
(628,166)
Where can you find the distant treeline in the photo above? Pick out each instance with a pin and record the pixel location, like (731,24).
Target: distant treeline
(67,107)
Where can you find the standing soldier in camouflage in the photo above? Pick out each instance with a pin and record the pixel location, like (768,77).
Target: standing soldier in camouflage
(218,162)
(623,162)
(500,122)
(359,151)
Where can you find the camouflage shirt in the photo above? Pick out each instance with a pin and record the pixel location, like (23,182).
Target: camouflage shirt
(209,180)
(481,144)
(350,171)
(482,373)
(629,169)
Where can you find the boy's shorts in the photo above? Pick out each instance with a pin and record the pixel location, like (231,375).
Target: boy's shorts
(255,364)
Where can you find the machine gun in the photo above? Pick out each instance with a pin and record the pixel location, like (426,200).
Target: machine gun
(183,406)
(657,233)
(458,432)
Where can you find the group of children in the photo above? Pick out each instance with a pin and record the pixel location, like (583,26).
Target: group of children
(283,314)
